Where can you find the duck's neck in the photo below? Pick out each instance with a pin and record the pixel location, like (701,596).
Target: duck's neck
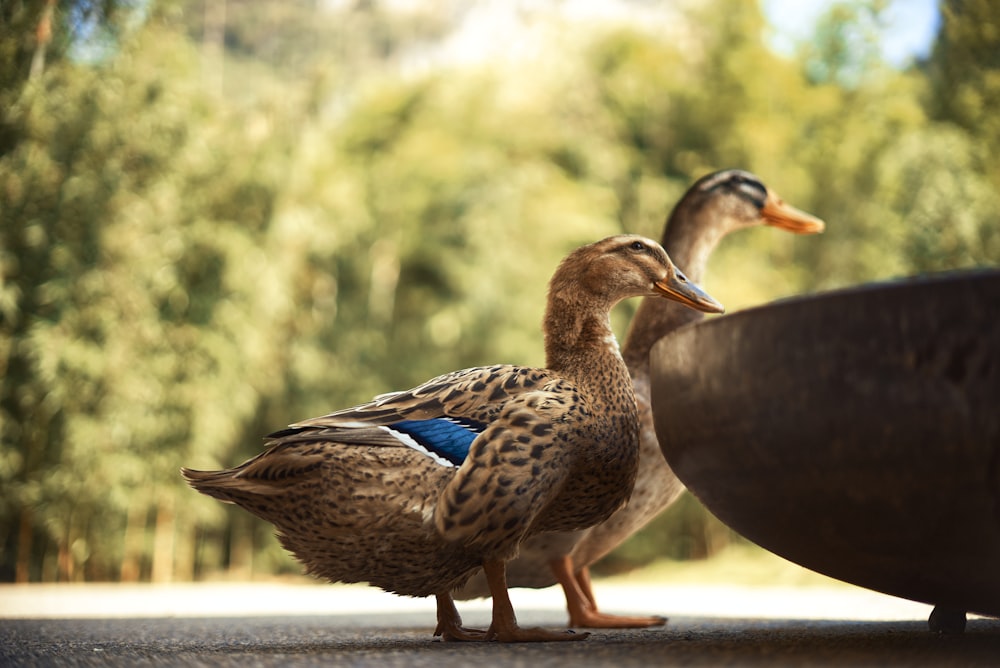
(580,345)
(689,241)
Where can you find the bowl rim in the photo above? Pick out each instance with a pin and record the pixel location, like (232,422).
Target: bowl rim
(868,289)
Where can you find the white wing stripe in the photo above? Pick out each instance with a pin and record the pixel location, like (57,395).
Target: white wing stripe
(407,440)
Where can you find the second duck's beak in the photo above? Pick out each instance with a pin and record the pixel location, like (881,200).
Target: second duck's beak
(678,288)
(787,217)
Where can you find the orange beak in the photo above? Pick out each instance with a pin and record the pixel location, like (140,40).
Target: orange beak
(787,217)
(678,288)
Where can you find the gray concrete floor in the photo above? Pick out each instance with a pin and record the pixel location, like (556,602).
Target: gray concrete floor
(306,625)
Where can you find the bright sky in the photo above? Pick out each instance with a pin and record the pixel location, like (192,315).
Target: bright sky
(910,30)
(506,26)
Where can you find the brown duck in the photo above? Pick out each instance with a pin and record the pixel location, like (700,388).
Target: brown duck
(714,206)
(416,491)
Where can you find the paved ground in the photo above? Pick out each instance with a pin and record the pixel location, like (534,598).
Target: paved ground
(301,625)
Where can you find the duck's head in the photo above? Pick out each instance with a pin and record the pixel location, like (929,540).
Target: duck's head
(734,198)
(628,265)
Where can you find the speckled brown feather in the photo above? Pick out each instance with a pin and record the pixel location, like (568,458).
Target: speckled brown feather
(478,393)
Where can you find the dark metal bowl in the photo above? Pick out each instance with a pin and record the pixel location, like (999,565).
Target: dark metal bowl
(856,433)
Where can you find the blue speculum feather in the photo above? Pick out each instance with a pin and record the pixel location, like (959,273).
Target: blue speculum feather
(448,438)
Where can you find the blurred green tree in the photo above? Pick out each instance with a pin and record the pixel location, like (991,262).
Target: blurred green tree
(964,71)
(145,303)
(230,221)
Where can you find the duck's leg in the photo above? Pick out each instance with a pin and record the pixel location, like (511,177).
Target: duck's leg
(582,605)
(449,625)
(504,627)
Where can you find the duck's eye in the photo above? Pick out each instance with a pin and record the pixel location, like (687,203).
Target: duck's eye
(638,246)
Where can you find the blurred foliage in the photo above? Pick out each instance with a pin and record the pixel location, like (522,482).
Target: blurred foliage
(228,216)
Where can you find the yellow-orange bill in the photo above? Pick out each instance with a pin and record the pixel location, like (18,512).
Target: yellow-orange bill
(787,217)
(678,288)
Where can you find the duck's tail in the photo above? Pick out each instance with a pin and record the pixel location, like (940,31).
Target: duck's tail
(217,484)
(270,473)
(292,456)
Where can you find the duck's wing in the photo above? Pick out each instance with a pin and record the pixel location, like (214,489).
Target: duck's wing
(495,436)
(477,393)
(514,469)
(440,417)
